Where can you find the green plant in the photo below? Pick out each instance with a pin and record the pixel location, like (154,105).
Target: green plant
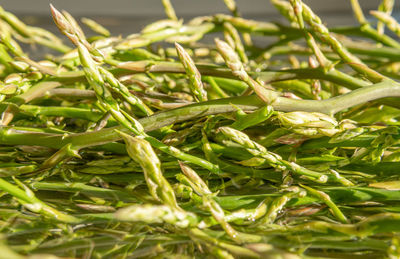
(119,147)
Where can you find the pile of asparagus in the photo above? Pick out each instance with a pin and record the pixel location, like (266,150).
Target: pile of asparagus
(132,147)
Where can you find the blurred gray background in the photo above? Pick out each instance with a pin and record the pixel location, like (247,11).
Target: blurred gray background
(154,8)
(129,16)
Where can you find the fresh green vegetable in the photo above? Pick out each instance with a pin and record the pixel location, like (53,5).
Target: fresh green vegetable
(122,147)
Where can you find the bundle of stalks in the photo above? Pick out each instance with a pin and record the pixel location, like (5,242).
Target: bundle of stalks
(162,144)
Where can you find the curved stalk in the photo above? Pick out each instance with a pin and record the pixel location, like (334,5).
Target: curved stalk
(16,136)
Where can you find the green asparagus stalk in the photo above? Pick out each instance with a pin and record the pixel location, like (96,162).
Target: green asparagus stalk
(28,199)
(197,87)
(323,196)
(141,151)
(233,62)
(116,148)
(201,189)
(169,9)
(387,20)
(94,26)
(386,6)
(273,159)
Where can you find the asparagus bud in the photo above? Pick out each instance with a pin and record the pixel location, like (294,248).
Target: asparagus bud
(157,214)
(307,119)
(141,151)
(196,85)
(232,60)
(388,20)
(273,159)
